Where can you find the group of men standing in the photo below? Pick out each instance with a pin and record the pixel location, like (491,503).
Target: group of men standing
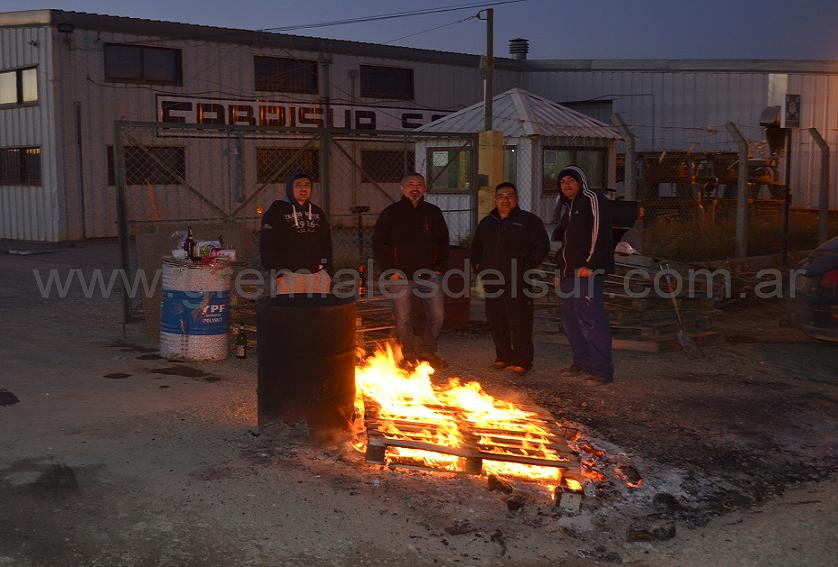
(410,244)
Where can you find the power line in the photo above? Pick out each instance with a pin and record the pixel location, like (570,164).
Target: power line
(210,35)
(393,15)
(430,29)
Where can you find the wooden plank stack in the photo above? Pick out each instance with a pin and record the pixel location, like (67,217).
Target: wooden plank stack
(642,318)
(477,444)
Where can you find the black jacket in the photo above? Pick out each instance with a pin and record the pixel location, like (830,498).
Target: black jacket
(497,242)
(584,229)
(410,238)
(295,237)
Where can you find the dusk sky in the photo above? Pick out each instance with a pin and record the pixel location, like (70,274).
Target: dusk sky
(596,29)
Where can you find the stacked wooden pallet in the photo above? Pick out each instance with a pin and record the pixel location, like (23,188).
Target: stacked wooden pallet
(476,444)
(639,305)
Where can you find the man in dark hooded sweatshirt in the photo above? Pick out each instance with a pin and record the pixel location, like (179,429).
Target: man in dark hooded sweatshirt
(586,255)
(296,242)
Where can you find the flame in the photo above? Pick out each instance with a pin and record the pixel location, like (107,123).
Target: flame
(405,404)
(573,484)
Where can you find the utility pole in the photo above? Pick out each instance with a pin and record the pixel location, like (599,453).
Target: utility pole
(488,70)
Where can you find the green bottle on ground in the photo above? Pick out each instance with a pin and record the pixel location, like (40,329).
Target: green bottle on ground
(241,342)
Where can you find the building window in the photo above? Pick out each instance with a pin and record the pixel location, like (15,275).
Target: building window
(276,74)
(385,166)
(158,165)
(448,170)
(386,82)
(19,86)
(142,64)
(20,166)
(592,162)
(276,165)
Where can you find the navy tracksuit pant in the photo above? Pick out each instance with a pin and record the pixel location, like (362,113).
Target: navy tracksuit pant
(586,324)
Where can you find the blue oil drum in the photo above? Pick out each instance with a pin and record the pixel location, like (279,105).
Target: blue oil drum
(195,310)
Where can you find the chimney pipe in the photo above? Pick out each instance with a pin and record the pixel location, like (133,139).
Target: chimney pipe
(518,48)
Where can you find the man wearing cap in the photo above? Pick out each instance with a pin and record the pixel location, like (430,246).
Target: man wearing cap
(586,255)
(296,241)
(509,241)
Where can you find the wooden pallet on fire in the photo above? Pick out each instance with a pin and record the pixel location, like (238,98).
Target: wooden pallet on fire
(476,444)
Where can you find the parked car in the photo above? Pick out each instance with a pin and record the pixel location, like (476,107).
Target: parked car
(814,307)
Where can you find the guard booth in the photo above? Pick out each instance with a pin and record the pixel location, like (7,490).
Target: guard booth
(540,138)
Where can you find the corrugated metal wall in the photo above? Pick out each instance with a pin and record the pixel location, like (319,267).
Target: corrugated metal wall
(666,110)
(675,110)
(28,212)
(209,70)
(818,109)
(682,110)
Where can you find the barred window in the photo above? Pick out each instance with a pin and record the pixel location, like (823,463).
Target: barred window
(20,166)
(277,74)
(448,169)
(276,165)
(385,166)
(592,162)
(19,86)
(142,64)
(386,82)
(158,165)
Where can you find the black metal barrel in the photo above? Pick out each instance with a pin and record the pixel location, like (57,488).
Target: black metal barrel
(306,361)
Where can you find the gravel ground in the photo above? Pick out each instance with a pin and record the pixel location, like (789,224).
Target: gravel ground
(112,456)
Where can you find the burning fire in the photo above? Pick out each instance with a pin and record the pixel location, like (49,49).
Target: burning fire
(406,405)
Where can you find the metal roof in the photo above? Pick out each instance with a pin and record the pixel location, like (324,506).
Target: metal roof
(686,65)
(215,34)
(176,30)
(519,113)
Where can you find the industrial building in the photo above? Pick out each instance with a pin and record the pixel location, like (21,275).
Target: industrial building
(67,77)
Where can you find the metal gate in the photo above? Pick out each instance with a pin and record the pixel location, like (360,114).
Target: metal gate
(169,176)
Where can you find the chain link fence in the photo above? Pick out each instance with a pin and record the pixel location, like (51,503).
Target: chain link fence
(221,179)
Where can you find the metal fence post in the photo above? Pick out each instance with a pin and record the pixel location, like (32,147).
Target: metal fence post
(631,140)
(823,187)
(324,64)
(475,186)
(122,219)
(238,173)
(741,192)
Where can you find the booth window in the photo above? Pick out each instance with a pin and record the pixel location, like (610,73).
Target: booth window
(20,166)
(142,64)
(19,87)
(448,170)
(276,74)
(591,160)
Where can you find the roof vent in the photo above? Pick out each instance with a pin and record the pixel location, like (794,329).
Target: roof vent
(518,48)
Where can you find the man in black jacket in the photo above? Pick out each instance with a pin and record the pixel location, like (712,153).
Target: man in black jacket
(587,254)
(296,242)
(510,241)
(411,247)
